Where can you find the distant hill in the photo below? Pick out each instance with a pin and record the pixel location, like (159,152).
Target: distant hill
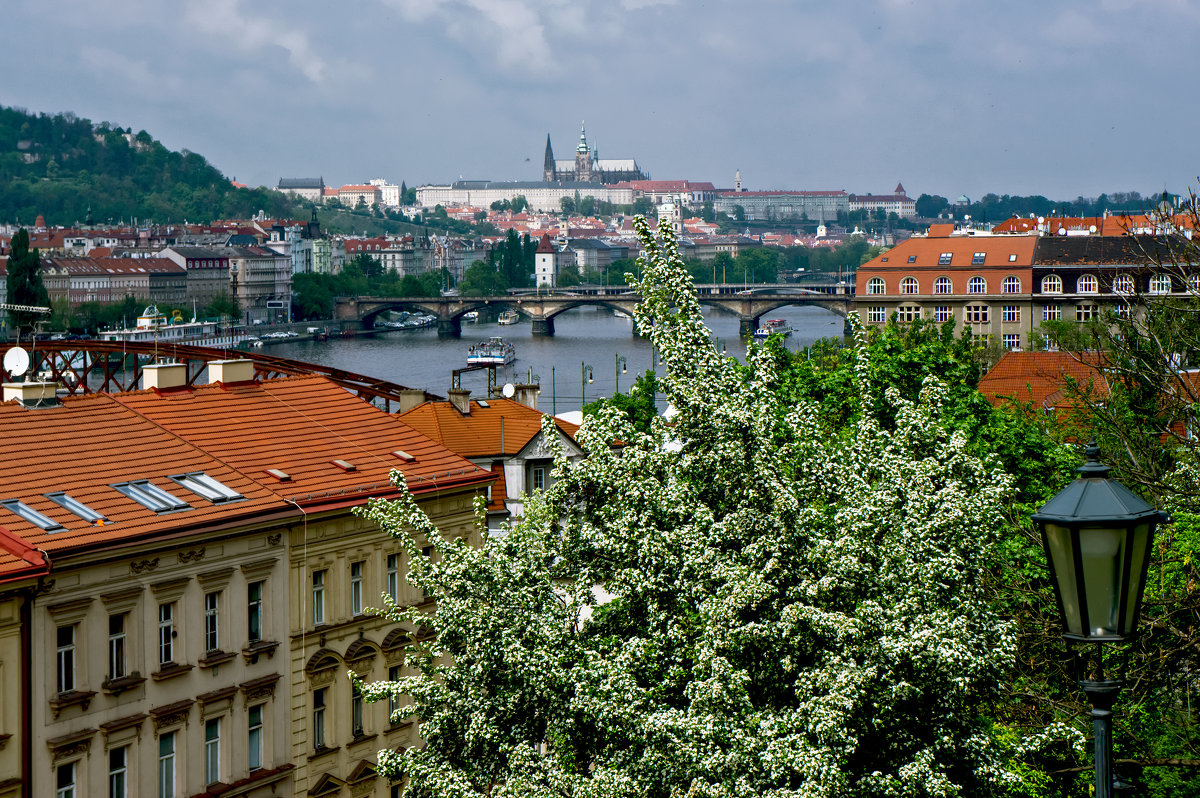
(61,166)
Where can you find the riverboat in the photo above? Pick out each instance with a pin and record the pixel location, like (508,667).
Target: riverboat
(509,317)
(773,327)
(471,316)
(154,327)
(495,351)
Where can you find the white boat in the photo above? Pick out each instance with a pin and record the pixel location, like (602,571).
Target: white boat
(495,351)
(471,315)
(154,327)
(509,317)
(773,327)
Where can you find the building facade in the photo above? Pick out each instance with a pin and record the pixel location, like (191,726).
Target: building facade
(587,166)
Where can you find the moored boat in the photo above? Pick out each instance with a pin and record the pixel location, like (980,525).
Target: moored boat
(773,327)
(509,317)
(154,327)
(495,351)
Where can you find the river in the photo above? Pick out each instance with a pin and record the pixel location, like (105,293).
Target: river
(582,336)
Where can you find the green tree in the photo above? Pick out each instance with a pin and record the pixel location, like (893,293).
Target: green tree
(929,206)
(519,203)
(638,405)
(24,282)
(643,206)
(482,279)
(567,204)
(739,602)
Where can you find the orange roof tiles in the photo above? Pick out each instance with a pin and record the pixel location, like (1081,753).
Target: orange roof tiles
(1040,377)
(479,434)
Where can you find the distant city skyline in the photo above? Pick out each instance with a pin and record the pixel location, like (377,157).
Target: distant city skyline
(1074,98)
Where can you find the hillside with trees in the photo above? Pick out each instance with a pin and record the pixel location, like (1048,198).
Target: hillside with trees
(63,167)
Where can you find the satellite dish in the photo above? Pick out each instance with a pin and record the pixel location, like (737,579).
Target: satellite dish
(16,361)
(509,390)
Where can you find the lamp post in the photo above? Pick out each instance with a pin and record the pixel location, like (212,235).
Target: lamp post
(1098,538)
(618,370)
(585,379)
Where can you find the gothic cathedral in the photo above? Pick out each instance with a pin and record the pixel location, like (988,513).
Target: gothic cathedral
(588,166)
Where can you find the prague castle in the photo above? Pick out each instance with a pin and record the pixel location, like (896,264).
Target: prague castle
(588,167)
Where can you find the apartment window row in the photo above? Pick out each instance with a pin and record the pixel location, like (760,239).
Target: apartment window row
(120,658)
(1158,283)
(167,766)
(977,284)
(357,571)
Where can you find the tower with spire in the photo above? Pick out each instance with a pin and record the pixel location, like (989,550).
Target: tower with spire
(583,157)
(587,166)
(548,172)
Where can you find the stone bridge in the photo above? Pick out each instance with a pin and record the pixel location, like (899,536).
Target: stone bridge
(749,304)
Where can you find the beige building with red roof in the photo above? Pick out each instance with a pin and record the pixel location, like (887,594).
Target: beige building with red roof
(187,585)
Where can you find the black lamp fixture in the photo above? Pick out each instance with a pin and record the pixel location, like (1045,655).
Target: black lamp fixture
(1098,538)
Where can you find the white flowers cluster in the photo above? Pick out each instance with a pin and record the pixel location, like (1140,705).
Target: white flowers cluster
(792,610)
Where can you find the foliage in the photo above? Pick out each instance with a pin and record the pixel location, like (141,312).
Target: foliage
(638,405)
(483,279)
(24,281)
(740,602)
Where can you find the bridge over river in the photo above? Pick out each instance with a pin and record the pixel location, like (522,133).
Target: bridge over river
(749,303)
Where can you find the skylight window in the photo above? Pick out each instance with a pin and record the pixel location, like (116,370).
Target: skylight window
(31,515)
(345,465)
(79,508)
(151,496)
(206,487)
(280,474)
(403,455)
(482,403)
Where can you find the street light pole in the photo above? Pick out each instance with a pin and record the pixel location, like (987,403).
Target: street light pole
(618,370)
(585,379)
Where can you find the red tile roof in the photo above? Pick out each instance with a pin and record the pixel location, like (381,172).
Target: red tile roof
(1040,377)
(479,434)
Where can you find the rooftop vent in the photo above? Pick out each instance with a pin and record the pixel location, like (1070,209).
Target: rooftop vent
(280,475)
(231,371)
(403,455)
(461,399)
(164,376)
(344,465)
(32,394)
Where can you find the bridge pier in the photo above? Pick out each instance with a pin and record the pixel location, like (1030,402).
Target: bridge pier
(747,325)
(450,328)
(543,327)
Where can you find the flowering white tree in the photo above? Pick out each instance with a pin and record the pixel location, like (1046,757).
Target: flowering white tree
(763,607)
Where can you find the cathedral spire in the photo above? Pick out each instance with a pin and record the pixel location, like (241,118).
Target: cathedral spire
(583,147)
(548,163)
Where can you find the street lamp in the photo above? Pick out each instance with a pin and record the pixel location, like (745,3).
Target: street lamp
(618,370)
(585,379)
(1098,538)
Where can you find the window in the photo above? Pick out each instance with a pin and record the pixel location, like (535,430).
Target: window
(1193,283)
(318,597)
(206,487)
(212,608)
(254,735)
(1011,313)
(65,781)
(977,285)
(978,258)
(942,285)
(151,496)
(356,710)
(908,285)
(1051,312)
(166,765)
(539,478)
(118,771)
(943,313)
(1087,284)
(116,646)
(1051,284)
(166,633)
(254,592)
(1160,283)
(908,313)
(1085,312)
(212,750)
(945,258)
(912,258)
(875,285)
(1122,284)
(356,587)
(876,314)
(66,659)
(1012,258)
(976,314)
(318,729)
(393,701)
(1011,341)
(393,577)
(1011,285)
(31,515)
(77,507)
(1124,311)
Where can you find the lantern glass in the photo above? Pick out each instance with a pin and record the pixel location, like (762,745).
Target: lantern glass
(1141,537)
(1062,560)
(1102,554)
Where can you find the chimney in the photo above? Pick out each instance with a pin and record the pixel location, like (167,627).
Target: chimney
(164,376)
(32,394)
(410,398)
(230,371)
(461,399)
(527,394)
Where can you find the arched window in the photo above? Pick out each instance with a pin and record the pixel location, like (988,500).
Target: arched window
(908,285)
(875,285)
(942,285)
(977,285)
(1011,285)
(1160,283)
(1051,284)
(1193,283)
(1122,284)
(1088,284)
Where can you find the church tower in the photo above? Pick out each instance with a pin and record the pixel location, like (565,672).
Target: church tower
(548,165)
(583,157)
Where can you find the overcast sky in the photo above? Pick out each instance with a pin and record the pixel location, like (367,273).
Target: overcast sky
(1063,98)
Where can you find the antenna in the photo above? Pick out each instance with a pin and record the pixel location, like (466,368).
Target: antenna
(16,361)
